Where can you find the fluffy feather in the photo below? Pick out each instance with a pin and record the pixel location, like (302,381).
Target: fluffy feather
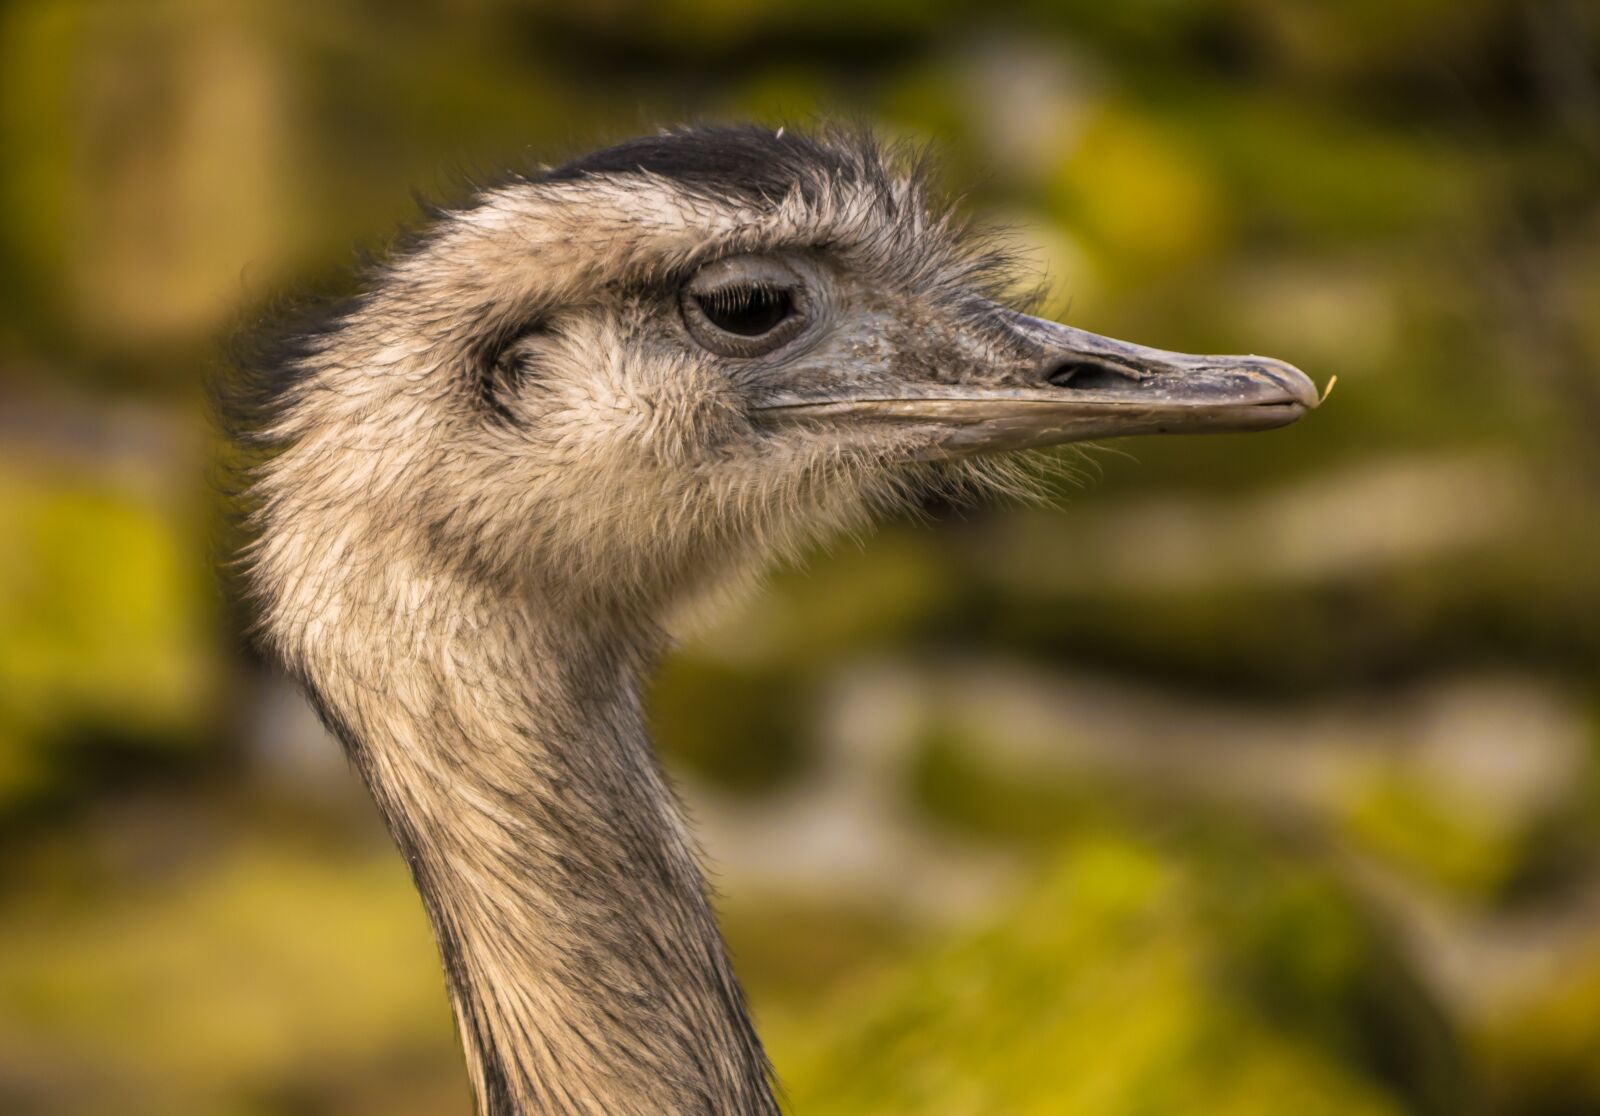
(481,488)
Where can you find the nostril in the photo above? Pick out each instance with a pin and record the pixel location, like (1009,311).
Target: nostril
(1087,375)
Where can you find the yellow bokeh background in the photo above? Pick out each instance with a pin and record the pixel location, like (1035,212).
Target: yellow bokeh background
(1241,775)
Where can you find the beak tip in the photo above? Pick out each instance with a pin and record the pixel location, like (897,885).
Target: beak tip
(1295,383)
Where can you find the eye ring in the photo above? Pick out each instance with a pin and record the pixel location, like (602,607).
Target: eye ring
(746,306)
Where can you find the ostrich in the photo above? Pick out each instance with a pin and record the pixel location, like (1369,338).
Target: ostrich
(595,394)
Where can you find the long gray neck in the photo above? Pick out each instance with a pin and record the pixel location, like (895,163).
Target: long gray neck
(583,961)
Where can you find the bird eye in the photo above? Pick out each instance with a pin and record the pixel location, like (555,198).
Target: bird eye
(746,306)
(746,310)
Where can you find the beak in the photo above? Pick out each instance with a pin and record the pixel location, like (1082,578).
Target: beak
(1075,386)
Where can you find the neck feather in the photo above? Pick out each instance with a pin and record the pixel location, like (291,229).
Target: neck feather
(582,958)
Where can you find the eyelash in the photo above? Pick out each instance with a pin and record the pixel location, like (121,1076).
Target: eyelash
(737,296)
(745,311)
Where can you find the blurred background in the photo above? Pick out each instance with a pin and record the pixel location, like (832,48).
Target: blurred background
(1248,773)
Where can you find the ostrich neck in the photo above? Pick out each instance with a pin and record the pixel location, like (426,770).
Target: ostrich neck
(583,961)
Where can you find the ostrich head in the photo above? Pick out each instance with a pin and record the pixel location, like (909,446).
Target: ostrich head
(604,383)
(555,415)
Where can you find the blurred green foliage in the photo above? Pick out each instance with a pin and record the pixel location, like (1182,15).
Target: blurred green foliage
(1121,985)
(701,705)
(196,913)
(1408,821)
(103,635)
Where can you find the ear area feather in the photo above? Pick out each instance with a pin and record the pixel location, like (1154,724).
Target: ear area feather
(496,368)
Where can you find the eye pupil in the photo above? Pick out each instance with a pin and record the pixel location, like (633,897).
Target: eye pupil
(746,310)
